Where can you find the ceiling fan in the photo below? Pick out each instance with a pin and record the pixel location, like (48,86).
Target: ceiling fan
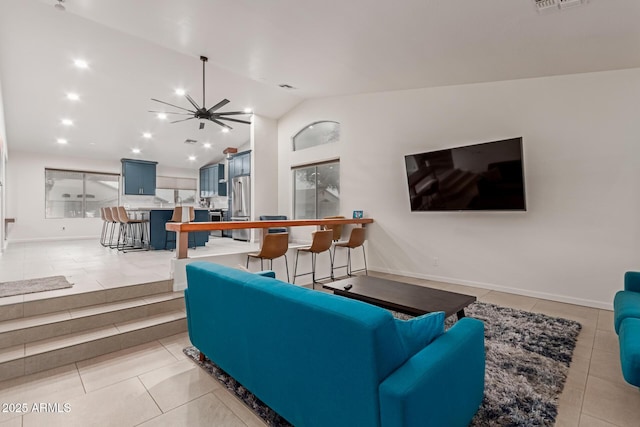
(202,113)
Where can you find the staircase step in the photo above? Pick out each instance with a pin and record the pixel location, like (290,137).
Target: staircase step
(84,299)
(28,329)
(36,356)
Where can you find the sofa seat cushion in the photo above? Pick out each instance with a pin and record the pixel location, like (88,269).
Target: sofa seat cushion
(625,304)
(418,332)
(630,350)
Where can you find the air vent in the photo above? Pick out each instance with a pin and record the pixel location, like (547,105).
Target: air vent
(190,141)
(563,4)
(553,5)
(544,5)
(286,86)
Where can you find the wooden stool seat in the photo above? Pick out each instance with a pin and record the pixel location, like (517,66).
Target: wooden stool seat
(274,246)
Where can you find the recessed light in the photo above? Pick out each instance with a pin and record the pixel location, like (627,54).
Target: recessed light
(67,122)
(192,158)
(225,130)
(146,135)
(180,92)
(81,63)
(207,145)
(73,96)
(248,110)
(61,141)
(135,150)
(162,116)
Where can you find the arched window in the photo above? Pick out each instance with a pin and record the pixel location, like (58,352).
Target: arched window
(317,133)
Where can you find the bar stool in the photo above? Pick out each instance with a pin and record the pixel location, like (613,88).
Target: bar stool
(321,243)
(103,233)
(337,228)
(274,246)
(356,239)
(177,217)
(116,221)
(131,228)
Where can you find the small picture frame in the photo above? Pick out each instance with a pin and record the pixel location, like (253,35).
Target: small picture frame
(357,214)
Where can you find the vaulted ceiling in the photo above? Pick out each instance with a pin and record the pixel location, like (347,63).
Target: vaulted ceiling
(141,49)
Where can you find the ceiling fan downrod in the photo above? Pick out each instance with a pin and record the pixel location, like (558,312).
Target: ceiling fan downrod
(204,59)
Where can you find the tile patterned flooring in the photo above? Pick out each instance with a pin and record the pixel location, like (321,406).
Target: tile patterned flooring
(156,385)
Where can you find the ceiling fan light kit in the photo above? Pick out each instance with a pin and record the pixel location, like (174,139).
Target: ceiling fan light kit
(201,112)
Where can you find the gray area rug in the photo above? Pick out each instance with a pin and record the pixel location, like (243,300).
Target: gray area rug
(20,287)
(527,360)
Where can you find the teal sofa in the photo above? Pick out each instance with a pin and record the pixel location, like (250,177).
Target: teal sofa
(322,360)
(626,318)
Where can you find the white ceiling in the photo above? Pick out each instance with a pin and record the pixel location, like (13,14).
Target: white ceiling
(138,49)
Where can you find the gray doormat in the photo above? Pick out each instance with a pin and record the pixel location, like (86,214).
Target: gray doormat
(527,361)
(20,287)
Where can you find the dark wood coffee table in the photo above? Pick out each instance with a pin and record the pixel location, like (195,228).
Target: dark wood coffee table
(414,300)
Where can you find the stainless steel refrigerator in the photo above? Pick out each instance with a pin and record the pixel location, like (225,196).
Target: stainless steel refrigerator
(241,204)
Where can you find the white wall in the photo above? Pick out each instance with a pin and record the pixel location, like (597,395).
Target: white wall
(264,169)
(26,195)
(581,230)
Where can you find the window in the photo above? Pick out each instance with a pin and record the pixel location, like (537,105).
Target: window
(316,191)
(317,133)
(73,194)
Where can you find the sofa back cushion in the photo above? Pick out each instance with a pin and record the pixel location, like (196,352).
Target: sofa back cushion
(315,358)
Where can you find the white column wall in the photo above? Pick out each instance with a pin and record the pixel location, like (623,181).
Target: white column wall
(26,196)
(581,230)
(264,168)
(3,172)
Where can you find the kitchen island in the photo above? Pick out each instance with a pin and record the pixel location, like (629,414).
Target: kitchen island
(158,218)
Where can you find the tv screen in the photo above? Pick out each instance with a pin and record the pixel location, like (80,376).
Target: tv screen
(486,176)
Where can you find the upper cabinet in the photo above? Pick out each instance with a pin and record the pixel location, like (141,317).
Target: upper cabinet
(240,164)
(139,177)
(212,181)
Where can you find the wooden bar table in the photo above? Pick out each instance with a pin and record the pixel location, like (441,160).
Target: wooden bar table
(182,229)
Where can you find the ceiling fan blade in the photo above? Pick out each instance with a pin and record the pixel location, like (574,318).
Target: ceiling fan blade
(169,112)
(234,120)
(183,120)
(224,125)
(190,99)
(181,108)
(232,113)
(218,106)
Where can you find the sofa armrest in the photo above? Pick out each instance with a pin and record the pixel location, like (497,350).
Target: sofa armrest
(442,385)
(632,281)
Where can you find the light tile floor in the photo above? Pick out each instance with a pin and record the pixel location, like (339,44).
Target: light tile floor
(156,385)
(90,266)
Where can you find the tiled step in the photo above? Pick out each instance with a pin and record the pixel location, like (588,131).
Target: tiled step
(80,330)
(25,359)
(84,299)
(27,329)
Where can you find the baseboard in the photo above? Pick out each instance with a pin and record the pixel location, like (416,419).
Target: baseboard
(493,287)
(53,239)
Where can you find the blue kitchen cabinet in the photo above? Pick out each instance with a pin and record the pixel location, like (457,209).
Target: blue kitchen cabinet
(139,177)
(158,219)
(210,181)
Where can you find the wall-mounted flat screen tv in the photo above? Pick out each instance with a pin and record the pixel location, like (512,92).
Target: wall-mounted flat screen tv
(488,176)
